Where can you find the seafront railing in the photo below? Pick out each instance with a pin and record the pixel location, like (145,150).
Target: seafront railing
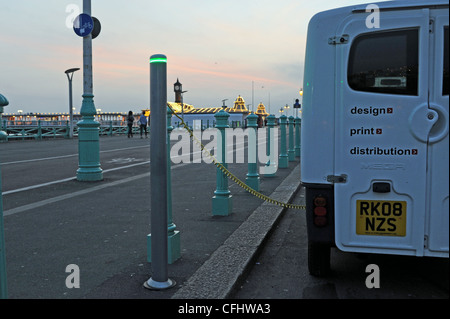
(41,129)
(56,129)
(23,129)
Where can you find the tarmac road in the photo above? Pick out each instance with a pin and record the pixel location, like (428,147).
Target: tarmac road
(52,220)
(102,228)
(281,270)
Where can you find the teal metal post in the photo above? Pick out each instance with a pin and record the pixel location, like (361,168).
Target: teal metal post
(88,129)
(291,152)
(88,143)
(222,204)
(283,157)
(298,123)
(3,285)
(173,235)
(39,132)
(67,134)
(252,179)
(3,134)
(271,165)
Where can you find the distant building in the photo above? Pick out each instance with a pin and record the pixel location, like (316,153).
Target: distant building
(238,113)
(261,110)
(205,115)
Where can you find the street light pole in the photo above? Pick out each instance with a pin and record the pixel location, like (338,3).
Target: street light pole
(182,105)
(253,95)
(3,285)
(69,74)
(88,129)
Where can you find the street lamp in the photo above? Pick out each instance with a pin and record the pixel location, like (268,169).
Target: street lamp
(268,103)
(223,104)
(287,108)
(297,101)
(297,105)
(69,74)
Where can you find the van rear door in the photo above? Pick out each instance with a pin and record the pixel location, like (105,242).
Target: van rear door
(437,230)
(383,121)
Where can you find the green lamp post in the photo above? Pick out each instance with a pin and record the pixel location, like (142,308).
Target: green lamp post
(291,151)
(271,166)
(298,123)
(252,179)
(88,129)
(3,287)
(283,157)
(3,102)
(222,200)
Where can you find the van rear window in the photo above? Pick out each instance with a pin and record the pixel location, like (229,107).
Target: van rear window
(385,62)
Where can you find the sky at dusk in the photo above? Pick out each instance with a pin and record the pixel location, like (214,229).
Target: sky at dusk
(215,48)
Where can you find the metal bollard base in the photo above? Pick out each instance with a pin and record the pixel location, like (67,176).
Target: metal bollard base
(173,247)
(291,155)
(283,161)
(253,182)
(158,285)
(222,205)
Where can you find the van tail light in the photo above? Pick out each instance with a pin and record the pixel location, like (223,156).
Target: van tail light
(320,211)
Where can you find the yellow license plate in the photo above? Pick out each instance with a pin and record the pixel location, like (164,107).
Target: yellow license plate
(381,218)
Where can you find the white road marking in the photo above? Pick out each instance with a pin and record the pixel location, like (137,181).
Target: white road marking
(78,193)
(70,155)
(81,192)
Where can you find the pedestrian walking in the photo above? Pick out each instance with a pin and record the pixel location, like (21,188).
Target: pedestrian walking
(260,121)
(130,121)
(143,124)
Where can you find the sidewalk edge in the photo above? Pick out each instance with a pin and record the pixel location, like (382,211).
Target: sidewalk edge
(218,276)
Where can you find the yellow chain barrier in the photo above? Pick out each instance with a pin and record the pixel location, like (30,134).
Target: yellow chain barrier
(231,175)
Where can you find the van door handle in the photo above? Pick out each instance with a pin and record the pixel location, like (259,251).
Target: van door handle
(381,187)
(440,127)
(421,121)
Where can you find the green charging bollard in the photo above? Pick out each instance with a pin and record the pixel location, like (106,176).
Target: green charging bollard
(222,201)
(252,179)
(158,175)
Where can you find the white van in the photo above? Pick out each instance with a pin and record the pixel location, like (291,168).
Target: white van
(375,122)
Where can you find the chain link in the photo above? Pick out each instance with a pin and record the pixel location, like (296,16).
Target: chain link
(231,175)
